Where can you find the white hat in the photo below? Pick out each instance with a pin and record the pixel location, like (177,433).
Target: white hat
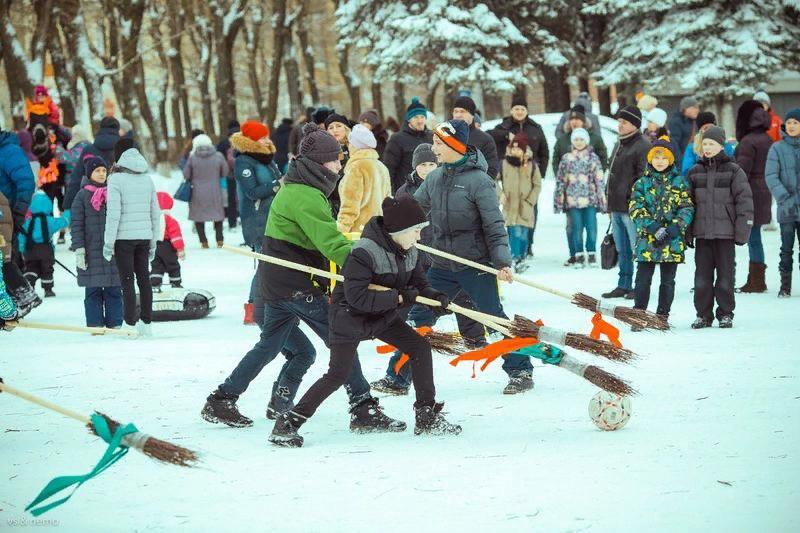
(762,96)
(657,116)
(361,137)
(579,133)
(201,140)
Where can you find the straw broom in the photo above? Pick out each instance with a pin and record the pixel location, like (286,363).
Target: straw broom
(594,374)
(633,317)
(154,448)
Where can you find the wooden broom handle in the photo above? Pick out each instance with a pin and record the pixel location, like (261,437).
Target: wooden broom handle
(490,270)
(5,387)
(76,329)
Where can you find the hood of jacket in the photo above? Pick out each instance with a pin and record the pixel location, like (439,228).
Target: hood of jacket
(106,138)
(205,151)
(413,180)
(8,138)
(132,160)
(246,145)
(304,171)
(759,121)
(41,204)
(719,159)
(357,154)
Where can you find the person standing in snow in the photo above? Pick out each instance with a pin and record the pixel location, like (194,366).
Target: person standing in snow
(628,163)
(399,151)
(655,127)
(752,123)
(520,185)
(36,241)
(775,123)
(132,230)
(783,178)
(281,140)
(723,217)
(464,109)
(103,297)
(170,248)
(300,228)
(681,124)
(296,135)
(103,146)
(385,255)
(584,100)
(372,121)
(661,209)
(229,191)
(365,183)
(204,169)
(694,150)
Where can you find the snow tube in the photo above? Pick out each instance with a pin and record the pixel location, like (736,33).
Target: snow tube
(180,304)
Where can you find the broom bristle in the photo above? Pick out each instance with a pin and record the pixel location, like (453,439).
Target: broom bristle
(598,347)
(607,381)
(585,301)
(157,449)
(446,343)
(633,317)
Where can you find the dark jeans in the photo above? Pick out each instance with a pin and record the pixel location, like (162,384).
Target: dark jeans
(232,211)
(755,247)
(788,233)
(103,306)
(481,287)
(280,332)
(344,356)
(132,260)
(570,240)
(666,290)
(625,240)
(201,231)
(714,256)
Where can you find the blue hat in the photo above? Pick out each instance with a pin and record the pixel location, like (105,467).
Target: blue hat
(416,108)
(793,113)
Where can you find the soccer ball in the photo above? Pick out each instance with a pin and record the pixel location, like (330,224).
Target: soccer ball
(610,411)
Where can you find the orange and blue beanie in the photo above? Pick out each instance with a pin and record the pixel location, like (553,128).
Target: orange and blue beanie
(454,134)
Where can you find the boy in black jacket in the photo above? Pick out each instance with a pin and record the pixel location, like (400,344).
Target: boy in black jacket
(385,255)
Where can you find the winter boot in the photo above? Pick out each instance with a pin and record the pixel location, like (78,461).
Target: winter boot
(755,279)
(619,292)
(726,322)
(48,292)
(204,245)
(786,285)
(220,244)
(368,417)
(248,315)
(388,386)
(26,297)
(569,262)
(285,431)
(592,260)
(429,421)
(281,399)
(701,323)
(221,407)
(520,266)
(522,382)
(580,260)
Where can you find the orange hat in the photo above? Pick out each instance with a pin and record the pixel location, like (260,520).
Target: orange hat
(255,130)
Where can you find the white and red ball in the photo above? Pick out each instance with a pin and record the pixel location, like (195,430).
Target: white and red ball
(610,411)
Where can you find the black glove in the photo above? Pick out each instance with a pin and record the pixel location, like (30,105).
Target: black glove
(689,243)
(409,295)
(443,299)
(740,243)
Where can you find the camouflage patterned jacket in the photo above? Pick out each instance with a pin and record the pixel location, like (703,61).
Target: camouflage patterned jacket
(661,200)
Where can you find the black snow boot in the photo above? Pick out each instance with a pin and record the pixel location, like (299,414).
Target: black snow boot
(285,431)
(522,382)
(700,323)
(221,407)
(387,386)
(26,298)
(429,421)
(786,285)
(368,417)
(619,292)
(726,322)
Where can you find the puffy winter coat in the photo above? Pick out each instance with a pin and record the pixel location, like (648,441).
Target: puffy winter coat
(103,146)
(360,313)
(751,156)
(722,199)
(257,182)
(6,228)
(399,152)
(521,185)
(87,229)
(17,182)
(628,162)
(690,156)
(579,182)
(783,178)
(564,145)
(681,129)
(485,143)
(661,200)
(362,189)
(281,140)
(465,213)
(536,139)
(40,224)
(133,212)
(170,230)
(203,169)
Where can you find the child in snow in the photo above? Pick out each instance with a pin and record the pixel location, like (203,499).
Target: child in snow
(103,297)
(723,217)
(580,192)
(521,183)
(170,247)
(8,309)
(385,255)
(694,150)
(132,227)
(36,241)
(661,209)
(783,178)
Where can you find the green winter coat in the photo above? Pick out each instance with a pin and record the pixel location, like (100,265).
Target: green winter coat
(661,199)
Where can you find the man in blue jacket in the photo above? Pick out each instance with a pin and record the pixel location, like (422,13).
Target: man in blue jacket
(17,182)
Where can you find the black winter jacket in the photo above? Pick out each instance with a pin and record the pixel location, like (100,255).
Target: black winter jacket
(103,146)
(751,156)
(628,162)
(485,143)
(536,139)
(399,153)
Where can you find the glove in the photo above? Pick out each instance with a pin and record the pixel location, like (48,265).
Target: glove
(690,243)
(108,253)
(181,255)
(661,234)
(80,258)
(443,299)
(152,254)
(409,295)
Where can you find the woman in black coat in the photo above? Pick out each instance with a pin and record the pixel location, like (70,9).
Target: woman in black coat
(752,123)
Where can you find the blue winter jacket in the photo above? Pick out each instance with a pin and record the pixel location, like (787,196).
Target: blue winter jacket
(41,209)
(783,178)
(690,157)
(17,182)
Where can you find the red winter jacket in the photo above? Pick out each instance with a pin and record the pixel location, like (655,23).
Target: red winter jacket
(172,230)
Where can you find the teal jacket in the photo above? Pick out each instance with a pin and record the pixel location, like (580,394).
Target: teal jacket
(40,224)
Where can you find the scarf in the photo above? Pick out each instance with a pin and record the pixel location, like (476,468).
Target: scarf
(514,161)
(99,195)
(307,172)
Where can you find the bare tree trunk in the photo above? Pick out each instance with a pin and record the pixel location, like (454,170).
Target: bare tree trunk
(430,97)
(377,98)
(448,98)
(20,81)
(351,79)
(279,37)
(292,72)
(227,21)
(604,96)
(176,12)
(63,63)
(492,105)
(201,37)
(400,101)
(307,51)
(556,90)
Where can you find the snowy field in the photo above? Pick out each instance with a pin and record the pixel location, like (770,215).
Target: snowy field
(713,444)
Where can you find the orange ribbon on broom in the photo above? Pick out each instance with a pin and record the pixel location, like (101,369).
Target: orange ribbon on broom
(601,327)
(404,358)
(492,351)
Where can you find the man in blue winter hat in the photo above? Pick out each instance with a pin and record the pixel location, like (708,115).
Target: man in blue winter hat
(399,152)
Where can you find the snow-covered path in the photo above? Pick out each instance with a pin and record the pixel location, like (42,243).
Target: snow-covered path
(713,444)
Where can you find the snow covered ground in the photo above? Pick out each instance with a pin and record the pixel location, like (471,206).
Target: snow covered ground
(713,444)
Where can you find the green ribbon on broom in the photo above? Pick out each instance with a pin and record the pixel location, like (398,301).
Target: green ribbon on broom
(114,453)
(546,352)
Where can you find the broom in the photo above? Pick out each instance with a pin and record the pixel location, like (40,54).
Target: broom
(25,324)
(633,317)
(154,448)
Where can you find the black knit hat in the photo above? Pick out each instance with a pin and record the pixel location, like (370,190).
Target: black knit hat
(319,145)
(92,163)
(123,144)
(632,114)
(336,117)
(577,111)
(465,102)
(519,100)
(705,117)
(321,113)
(195,132)
(402,214)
